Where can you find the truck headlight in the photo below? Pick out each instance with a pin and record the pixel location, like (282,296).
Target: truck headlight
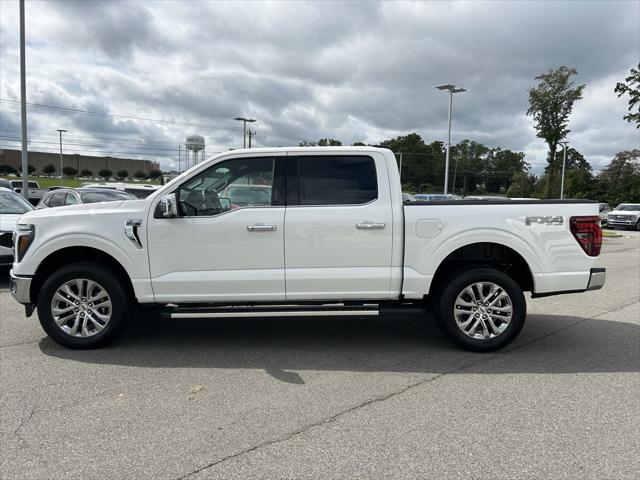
(25,234)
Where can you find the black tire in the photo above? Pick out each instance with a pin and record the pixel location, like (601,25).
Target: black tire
(447,302)
(121,304)
(638,225)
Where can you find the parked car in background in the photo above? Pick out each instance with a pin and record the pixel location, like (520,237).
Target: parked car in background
(12,206)
(5,184)
(138,190)
(247,195)
(436,197)
(625,215)
(604,213)
(488,197)
(35,192)
(408,197)
(69,196)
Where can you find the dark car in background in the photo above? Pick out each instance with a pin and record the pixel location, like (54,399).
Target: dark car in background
(70,196)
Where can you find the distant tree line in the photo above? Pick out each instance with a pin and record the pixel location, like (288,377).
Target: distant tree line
(71,172)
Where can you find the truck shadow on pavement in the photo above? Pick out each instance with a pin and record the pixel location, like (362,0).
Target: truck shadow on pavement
(281,347)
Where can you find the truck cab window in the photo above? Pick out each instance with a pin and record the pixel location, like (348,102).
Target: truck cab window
(337,180)
(237,183)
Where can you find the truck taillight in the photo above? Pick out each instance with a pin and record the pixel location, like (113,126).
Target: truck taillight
(588,233)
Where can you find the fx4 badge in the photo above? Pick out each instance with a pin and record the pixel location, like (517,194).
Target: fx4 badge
(558,220)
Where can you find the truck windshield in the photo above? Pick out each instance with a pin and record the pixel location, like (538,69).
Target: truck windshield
(12,203)
(629,207)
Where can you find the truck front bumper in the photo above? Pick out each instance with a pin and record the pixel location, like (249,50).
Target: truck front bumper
(20,288)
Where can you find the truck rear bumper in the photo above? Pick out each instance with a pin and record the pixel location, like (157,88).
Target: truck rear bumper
(597,278)
(596,281)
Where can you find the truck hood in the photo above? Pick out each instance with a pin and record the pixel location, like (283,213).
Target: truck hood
(83,209)
(625,212)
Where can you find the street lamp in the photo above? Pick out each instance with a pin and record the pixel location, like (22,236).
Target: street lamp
(23,107)
(60,130)
(564,162)
(451,89)
(244,124)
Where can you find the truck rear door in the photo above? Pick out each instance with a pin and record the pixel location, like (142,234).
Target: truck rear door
(338,227)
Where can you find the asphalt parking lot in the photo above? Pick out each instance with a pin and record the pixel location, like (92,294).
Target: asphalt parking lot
(332,398)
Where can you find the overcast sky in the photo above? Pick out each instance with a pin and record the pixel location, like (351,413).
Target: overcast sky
(356,71)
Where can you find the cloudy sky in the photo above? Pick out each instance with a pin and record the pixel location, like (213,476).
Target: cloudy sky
(356,71)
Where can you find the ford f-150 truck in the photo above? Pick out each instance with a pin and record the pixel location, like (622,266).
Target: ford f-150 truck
(333,237)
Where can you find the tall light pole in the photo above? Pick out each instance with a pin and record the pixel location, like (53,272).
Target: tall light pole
(451,89)
(23,107)
(60,130)
(564,163)
(244,123)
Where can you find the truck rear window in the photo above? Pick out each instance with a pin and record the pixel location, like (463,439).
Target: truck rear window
(337,180)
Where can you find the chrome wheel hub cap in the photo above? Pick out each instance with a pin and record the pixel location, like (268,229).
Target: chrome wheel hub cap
(483,310)
(81,307)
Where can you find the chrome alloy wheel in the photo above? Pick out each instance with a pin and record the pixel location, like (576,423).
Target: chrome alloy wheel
(483,310)
(81,307)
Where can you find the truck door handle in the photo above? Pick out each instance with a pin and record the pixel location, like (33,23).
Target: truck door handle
(369,226)
(262,228)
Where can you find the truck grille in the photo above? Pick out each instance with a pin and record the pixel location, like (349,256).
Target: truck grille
(6,239)
(622,217)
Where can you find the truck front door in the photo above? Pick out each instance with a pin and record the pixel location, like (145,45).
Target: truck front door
(227,243)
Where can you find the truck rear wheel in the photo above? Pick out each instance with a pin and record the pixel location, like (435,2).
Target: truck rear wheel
(83,305)
(482,310)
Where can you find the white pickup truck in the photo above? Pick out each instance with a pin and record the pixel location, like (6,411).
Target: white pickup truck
(321,231)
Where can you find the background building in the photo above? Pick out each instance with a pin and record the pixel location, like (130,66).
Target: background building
(80,162)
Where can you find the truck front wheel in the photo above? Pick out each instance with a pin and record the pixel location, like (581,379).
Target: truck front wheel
(482,310)
(83,305)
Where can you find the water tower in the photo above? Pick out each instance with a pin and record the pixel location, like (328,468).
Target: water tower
(194,143)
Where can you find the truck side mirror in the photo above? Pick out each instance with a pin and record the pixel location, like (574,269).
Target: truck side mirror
(168,206)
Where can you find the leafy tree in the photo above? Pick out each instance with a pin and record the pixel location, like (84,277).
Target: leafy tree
(140,174)
(30,169)
(500,167)
(6,169)
(550,104)
(122,174)
(522,185)
(422,164)
(468,160)
(632,88)
(329,142)
(323,142)
(105,173)
(49,169)
(69,171)
(86,173)
(621,178)
(154,173)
